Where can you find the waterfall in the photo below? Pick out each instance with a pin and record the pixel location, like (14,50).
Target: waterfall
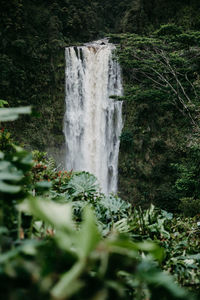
(93,120)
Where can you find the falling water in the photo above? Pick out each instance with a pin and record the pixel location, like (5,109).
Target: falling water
(93,121)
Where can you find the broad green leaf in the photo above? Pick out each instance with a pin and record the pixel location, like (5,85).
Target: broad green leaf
(10,176)
(67,240)
(27,159)
(8,188)
(157,278)
(122,246)
(11,114)
(121,225)
(69,282)
(88,236)
(83,183)
(28,247)
(56,214)
(4,164)
(152,248)
(44,185)
(115,204)
(195,256)
(147,246)
(8,255)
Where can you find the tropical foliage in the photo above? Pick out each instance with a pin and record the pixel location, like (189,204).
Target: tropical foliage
(61,235)
(160,60)
(160,139)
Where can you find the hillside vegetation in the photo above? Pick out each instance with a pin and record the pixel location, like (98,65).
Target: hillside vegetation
(159,143)
(60,236)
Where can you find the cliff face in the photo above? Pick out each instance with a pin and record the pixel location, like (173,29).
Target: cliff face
(156,134)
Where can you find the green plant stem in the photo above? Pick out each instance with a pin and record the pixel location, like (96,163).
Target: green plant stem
(19,224)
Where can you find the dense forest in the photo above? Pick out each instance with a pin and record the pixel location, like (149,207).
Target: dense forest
(161,128)
(118,249)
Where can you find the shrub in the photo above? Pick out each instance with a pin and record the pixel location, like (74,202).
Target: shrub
(189,206)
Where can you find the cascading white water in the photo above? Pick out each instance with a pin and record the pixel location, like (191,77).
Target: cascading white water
(93,121)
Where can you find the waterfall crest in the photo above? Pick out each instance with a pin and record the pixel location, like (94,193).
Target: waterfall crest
(93,121)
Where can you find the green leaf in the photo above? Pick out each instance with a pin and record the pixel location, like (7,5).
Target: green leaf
(88,236)
(8,255)
(4,164)
(123,246)
(11,114)
(1,155)
(115,204)
(69,283)
(83,183)
(3,230)
(27,247)
(43,185)
(153,248)
(27,159)
(8,188)
(10,176)
(56,214)
(121,225)
(154,277)
(3,103)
